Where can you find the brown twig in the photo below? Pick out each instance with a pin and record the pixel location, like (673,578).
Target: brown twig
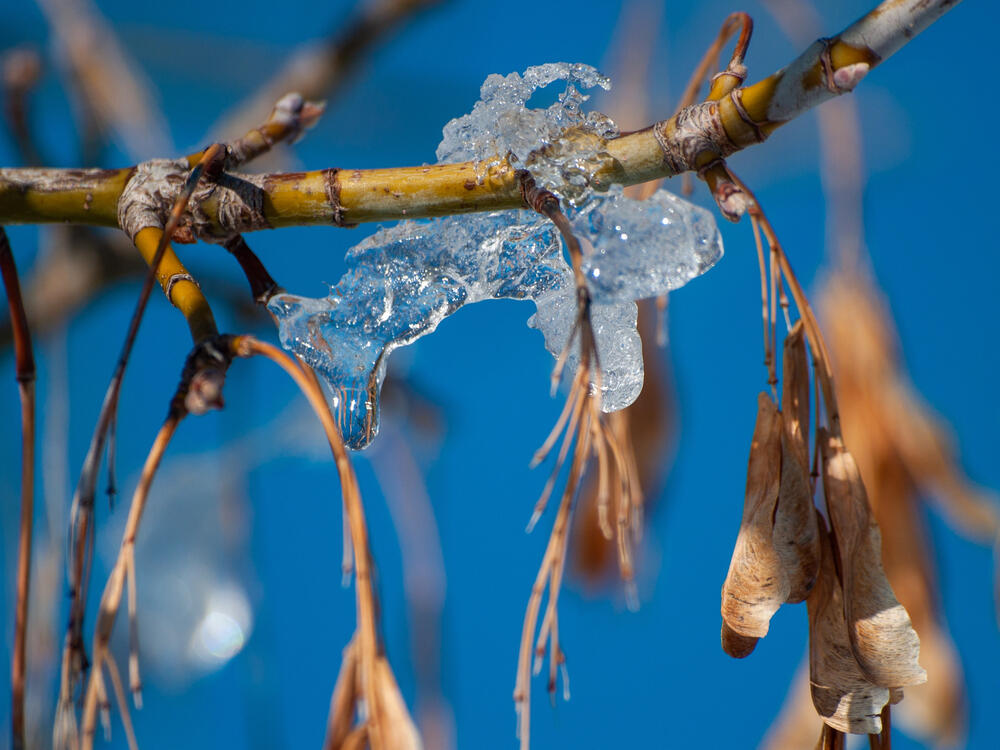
(824,368)
(122,575)
(25,375)
(583,428)
(710,61)
(262,285)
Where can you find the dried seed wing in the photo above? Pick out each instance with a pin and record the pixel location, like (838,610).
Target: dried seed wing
(756,584)
(842,695)
(795,535)
(882,637)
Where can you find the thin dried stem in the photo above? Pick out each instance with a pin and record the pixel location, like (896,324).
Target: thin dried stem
(824,368)
(121,574)
(25,374)
(20,69)
(549,577)
(722,83)
(765,316)
(710,61)
(589,436)
(386,720)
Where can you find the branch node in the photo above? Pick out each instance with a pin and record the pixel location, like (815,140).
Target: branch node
(695,134)
(174,279)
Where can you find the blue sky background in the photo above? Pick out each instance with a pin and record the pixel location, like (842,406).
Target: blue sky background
(656,678)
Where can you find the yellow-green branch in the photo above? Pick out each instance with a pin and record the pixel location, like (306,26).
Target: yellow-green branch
(692,140)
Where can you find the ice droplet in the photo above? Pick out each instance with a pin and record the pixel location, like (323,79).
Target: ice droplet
(404,280)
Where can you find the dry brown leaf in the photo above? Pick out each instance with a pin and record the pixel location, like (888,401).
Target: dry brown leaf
(841,694)
(756,584)
(881,635)
(795,536)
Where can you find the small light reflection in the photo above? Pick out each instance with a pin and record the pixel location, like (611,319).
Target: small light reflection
(222,630)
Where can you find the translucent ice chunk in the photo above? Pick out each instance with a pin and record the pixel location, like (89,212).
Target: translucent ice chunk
(402,281)
(645,248)
(400,284)
(561,145)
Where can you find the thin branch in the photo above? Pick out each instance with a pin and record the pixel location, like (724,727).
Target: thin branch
(262,285)
(736,69)
(824,367)
(114,95)
(200,388)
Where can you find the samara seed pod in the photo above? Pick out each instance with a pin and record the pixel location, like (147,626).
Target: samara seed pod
(882,637)
(842,695)
(756,584)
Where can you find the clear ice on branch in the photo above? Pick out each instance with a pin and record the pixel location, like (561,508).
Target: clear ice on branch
(404,280)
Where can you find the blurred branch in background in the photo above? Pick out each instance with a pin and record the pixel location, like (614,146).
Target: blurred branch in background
(114,101)
(317,70)
(900,446)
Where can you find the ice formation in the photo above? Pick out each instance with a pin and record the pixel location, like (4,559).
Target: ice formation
(404,280)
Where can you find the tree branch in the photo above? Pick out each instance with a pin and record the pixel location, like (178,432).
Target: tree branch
(692,140)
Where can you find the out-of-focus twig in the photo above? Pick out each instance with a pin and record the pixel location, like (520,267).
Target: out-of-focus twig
(114,95)
(318,70)
(21,68)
